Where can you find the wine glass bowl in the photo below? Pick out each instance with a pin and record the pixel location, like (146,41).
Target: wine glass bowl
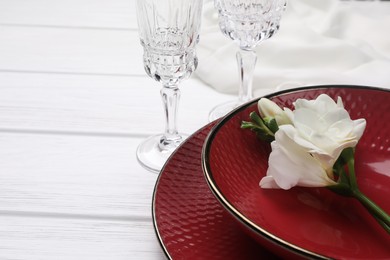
(248,23)
(166,58)
(169,32)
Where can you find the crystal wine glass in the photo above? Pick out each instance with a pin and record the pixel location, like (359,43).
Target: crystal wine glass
(169,33)
(247,22)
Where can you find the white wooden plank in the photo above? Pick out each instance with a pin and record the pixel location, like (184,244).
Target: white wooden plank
(113,14)
(68,142)
(37,238)
(47,49)
(74,176)
(97,104)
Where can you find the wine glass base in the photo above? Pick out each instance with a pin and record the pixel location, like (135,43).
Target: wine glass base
(151,156)
(223,109)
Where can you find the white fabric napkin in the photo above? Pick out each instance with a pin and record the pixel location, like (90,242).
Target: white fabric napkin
(319,42)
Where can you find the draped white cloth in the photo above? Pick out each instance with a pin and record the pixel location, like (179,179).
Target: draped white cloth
(319,42)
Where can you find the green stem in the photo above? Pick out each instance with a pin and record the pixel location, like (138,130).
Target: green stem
(386,227)
(379,213)
(349,157)
(348,186)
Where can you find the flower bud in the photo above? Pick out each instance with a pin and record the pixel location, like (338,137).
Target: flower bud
(269,109)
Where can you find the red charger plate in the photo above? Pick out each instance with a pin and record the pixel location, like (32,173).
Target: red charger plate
(189,221)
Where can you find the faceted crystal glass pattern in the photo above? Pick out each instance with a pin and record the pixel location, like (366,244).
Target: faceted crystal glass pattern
(249,22)
(169,33)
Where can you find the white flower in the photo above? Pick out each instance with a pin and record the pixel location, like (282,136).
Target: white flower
(268,108)
(304,152)
(325,128)
(290,164)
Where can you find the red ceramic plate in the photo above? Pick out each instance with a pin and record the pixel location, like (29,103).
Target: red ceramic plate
(305,222)
(189,221)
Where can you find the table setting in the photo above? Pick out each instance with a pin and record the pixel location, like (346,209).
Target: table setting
(268,139)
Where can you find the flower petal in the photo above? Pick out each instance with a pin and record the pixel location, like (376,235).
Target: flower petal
(268,182)
(268,108)
(291,165)
(358,127)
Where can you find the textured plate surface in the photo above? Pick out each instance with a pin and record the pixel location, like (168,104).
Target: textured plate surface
(189,221)
(307,221)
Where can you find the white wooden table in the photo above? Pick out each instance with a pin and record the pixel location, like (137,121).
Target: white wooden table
(74,104)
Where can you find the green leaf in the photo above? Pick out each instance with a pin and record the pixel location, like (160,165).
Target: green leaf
(273,126)
(260,127)
(248,125)
(256,119)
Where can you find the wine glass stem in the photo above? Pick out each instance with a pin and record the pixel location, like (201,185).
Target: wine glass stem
(246,60)
(170,95)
